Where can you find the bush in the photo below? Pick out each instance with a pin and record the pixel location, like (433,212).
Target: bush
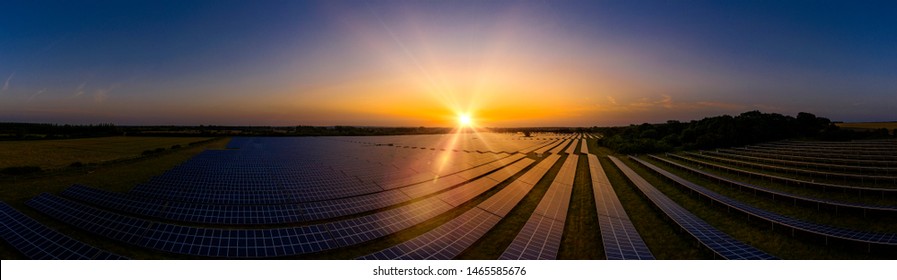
(20,170)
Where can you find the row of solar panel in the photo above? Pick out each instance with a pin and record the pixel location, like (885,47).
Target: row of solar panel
(812,165)
(261,214)
(889,239)
(779,194)
(824,160)
(826,153)
(876,150)
(247,243)
(326,189)
(387,156)
(561,147)
(787,180)
(547,147)
(479,186)
(38,242)
(857,178)
(452,238)
(473,142)
(618,235)
(572,147)
(867,145)
(884,141)
(541,145)
(540,237)
(718,242)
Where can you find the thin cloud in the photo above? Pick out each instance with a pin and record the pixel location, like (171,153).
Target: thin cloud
(54,43)
(79,91)
(39,92)
(100,95)
(6,84)
(721,105)
(612,100)
(667,101)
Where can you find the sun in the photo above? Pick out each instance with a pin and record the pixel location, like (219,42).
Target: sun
(464,120)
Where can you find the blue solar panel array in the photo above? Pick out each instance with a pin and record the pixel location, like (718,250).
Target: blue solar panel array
(809,158)
(775,193)
(804,164)
(827,231)
(185,211)
(618,234)
(450,239)
(256,243)
(717,241)
(882,180)
(540,237)
(280,210)
(822,153)
(38,242)
(444,242)
(788,180)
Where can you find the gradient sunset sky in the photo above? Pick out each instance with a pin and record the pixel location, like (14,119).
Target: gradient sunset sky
(420,63)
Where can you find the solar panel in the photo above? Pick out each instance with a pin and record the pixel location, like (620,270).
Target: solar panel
(618,234)
(822,230)
(244,243)
(444,242)
(450,239)
(798,182)
(505,200)
(37,241)
(572,148)
(547,147)
(540,237)
(826,153)
(850,162)
(464,193)
(876,153)
(887,180)
(813,165)
(775,193)
(711,238)
(559,148)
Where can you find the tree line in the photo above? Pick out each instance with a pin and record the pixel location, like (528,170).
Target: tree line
(726,131)
(28,131)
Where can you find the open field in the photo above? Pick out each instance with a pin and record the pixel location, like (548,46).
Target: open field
(117,177)
(55,154)
(890,126)
(455,196)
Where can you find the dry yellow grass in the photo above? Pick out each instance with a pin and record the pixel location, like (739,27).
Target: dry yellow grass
(53,154)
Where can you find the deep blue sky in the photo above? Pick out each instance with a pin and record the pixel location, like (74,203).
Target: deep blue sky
(412,62)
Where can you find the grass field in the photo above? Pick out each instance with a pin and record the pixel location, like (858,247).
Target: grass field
(119,176)
(581,239)
(890,126)
(55,154)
